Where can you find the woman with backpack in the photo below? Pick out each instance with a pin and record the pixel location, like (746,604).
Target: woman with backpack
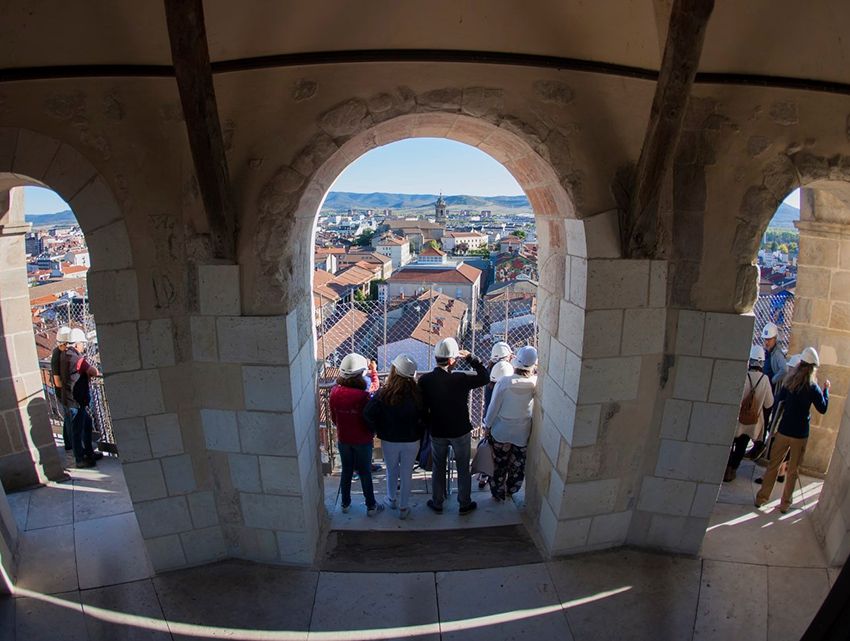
(396,413)
(758,397)
(798,393)
(347,401)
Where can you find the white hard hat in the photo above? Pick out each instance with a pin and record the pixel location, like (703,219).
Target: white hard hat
(404,366)
(500,370)
(770,331)
(353,365)
(62,334)
(526,357)
(793,361)
(757,353)
(500,350)
(810,356)
(446,348)
(77,336)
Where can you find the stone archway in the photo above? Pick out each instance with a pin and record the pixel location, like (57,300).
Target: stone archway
(820,311)
(33,159)
(594,384)
(28,454)
(562,242)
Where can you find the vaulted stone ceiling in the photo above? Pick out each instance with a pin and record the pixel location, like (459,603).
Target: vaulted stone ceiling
(764,37)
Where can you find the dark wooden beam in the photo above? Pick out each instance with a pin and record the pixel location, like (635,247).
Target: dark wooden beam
(640,226)
(191,58)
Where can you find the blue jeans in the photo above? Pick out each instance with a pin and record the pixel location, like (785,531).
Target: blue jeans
(82,427)
(356,458)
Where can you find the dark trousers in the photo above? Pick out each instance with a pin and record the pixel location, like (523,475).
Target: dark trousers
(81,424)
(356,458)
(509,468)
(462,447)
(739,448)
(67,428)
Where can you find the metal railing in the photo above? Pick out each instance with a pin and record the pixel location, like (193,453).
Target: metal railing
(413,324)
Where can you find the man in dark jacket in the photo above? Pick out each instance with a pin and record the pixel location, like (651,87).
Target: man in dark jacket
(446,397)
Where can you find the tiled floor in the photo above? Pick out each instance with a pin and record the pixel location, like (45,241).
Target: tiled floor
(84,575)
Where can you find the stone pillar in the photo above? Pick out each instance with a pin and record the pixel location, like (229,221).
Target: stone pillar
(254,377)
(28,454)
(822,320)
(8,544)
(638,402)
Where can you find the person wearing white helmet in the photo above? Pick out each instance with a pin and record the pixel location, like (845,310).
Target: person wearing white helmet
(497,370)
(347,400)
(445,394)
(500,353)
(508,424)
(757,398)
(774,361)
(799,392)
(396,414)
(74,372)
(62,335)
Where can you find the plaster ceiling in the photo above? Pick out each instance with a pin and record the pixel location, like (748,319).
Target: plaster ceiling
(770,37)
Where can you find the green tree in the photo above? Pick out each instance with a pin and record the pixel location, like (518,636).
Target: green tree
(432,243)
(364,239)
(774,246)
(358,296)
(519,233)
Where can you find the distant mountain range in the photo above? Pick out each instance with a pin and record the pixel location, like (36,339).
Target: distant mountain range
(46,220)
(343,200)
(784,217)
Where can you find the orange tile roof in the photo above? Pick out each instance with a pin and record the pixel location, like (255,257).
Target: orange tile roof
(432,251)
(352,322)
(463,273)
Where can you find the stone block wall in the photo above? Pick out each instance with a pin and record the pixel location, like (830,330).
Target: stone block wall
(215,419)
(822,319)
(638,402)
(692,428)
(832,514)
(255,379)
(604,357)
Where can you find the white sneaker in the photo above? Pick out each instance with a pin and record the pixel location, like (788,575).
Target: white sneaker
(375,509)
(403,512)
(390,503)
(345,509)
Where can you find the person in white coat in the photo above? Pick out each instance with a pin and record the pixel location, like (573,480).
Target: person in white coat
(508,424)
(758,395)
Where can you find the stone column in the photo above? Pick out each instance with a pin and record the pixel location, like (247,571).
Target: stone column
(822,319)
(28,454)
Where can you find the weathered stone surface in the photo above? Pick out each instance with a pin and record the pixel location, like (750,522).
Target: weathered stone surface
(609,379)
(218,290)
(304,89)
(602,332)
(345,119)
(447,99)
(553,91)
(784,113)
(482,102)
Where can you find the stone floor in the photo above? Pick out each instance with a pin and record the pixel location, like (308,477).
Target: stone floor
(84,575)
(488,514)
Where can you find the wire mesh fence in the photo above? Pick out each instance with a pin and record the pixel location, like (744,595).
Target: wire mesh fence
(382,329)
(777,309)
(73,312)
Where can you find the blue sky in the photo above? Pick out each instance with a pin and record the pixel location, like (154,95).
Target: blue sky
(414,166)
(428,166)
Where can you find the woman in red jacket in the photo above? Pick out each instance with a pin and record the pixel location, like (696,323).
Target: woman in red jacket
(347,400)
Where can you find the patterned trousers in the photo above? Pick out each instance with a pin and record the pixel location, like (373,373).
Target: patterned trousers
(509,468)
